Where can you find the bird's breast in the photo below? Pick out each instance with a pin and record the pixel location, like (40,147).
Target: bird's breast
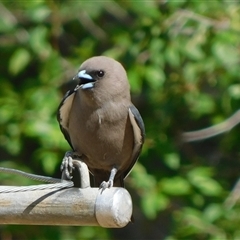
(103,136)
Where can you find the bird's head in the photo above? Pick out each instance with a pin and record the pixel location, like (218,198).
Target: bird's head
(103,76)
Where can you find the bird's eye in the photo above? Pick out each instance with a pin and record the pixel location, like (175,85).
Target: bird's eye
(100,73)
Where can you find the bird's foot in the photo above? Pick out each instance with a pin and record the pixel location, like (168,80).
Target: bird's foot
(67,165)
(105,185)
(109,183)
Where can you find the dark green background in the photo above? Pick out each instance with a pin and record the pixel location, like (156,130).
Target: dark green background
(183,64)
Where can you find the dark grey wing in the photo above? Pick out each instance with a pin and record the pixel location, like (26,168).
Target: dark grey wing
(139,135)
(63,113)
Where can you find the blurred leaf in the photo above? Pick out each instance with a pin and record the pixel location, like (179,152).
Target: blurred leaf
(175,186)
(200,103)
(201,178)
(141,179)
(193,48)
(38,42)
(39,12)
(19,61)
(172,55)
(234,91)
(226,54)
(153,202)
(155,77)
(49,160)
(213,212)
(135,80)
(198,199)
(148,8)
(7,21)
(172,160)
(192,223)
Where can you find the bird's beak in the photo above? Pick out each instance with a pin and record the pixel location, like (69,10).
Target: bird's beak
(86,80)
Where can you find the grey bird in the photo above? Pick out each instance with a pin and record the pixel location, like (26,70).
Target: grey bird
(99,121)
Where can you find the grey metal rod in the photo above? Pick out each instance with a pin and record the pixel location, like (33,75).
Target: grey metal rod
(72,206)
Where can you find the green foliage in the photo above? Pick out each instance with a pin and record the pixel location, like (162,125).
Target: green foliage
(182,60)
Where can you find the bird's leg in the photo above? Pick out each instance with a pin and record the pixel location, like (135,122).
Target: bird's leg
(67,165)
(110,181)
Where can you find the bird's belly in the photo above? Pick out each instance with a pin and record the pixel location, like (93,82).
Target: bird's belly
(103,144)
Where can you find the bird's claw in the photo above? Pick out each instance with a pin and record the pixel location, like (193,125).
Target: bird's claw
(105,185)
(67,165)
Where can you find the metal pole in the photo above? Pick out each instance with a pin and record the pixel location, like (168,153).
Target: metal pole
(74,206)
(85,206)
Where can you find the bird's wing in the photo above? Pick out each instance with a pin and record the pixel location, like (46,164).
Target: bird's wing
(139,135)
(63,113)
